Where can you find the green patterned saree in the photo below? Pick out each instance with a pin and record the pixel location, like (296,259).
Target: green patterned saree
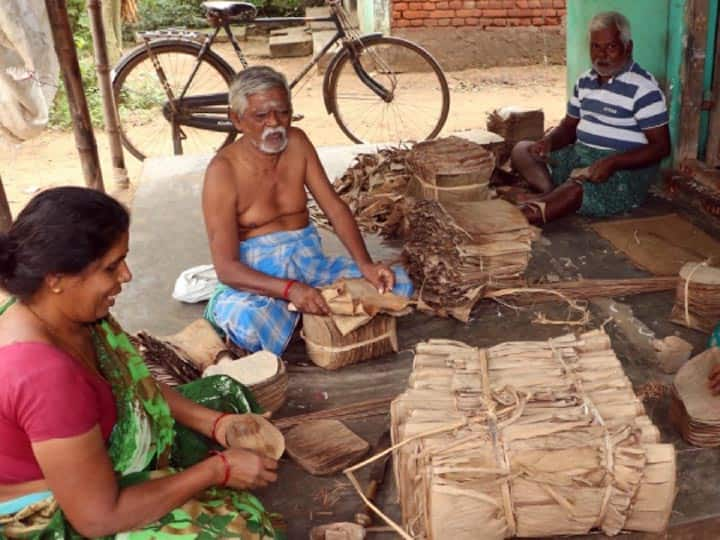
(145,444)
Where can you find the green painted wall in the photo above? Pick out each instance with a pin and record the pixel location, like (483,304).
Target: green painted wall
(649,23)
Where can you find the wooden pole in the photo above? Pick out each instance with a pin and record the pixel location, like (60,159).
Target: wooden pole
(82,125)
(109,111)
(5,215)
(696,12)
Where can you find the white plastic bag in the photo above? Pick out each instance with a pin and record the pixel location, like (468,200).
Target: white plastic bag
(196,284)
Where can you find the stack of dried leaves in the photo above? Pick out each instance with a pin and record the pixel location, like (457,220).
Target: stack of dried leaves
(450,170)
(516,124)
(697,298)
(527,439)
(374,188)
(379,187)
(456,252)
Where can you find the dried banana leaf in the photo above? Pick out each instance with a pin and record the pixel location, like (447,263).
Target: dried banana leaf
(458,252)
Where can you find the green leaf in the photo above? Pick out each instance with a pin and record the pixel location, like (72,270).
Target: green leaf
(180,515)
(220,523)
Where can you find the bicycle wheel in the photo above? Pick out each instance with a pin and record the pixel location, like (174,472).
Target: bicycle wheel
(418,101)
(144,108)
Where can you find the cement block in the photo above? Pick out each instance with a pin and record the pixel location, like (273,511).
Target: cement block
(286,42)
(319,39)
(322,11)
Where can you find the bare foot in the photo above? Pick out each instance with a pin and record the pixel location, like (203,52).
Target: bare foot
(534,212)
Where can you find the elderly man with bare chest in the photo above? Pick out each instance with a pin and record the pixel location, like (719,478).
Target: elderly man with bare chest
(266,252)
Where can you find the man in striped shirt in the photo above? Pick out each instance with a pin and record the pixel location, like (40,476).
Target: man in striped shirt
(604,155)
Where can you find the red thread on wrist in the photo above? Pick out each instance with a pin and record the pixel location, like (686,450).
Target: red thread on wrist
(227,466)
(286,291)
(215,425)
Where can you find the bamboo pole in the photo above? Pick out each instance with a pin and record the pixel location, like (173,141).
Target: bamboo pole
(82,125)
(109,111)
(5,215)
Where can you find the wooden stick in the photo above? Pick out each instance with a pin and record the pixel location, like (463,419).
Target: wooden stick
(109,111)
(587,288)
(361,409)
(82,125)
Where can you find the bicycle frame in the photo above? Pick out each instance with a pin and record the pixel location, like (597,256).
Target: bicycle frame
(190,113)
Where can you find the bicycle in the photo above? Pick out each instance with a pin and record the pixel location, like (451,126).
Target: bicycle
(174,82)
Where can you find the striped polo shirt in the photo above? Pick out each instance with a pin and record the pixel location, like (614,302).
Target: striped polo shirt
(613,116)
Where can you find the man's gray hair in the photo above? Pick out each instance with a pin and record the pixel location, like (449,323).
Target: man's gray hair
(251,81)
(612,19)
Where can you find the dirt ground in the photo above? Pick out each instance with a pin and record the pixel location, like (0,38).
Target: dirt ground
(52,160)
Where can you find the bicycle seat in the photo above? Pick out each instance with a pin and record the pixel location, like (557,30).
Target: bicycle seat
(231,10)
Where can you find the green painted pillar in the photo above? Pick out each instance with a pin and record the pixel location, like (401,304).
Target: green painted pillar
(649,24)
(677,39)
(374,16)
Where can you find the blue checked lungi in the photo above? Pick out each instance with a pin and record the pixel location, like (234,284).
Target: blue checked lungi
(256,322)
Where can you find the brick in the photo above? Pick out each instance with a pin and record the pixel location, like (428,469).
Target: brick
(429,6)
(499,22)
(415,6)
(492,4)
(508,3)
(410,14)
(443,22)
(458,22)
(558,4)
(494,13)
(549,12)
(472,21)
(442,14)
(467,12)
(547,3)
(538,21)
(442,5)
(484,22)
(399,6)
(402,23)
(522,4)
(517,12)
(552,21)
(417,22)
(526,21)
(430,22)
(534,4)
(456,4)
(468,4)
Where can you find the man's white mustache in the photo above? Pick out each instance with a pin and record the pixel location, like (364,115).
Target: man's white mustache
(267,132)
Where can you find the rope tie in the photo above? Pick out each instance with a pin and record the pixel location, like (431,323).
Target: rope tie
(345,348)
(592,409)
(499,449)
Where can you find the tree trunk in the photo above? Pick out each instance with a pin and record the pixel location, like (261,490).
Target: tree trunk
(82,125)
(5,216)
(103,73)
